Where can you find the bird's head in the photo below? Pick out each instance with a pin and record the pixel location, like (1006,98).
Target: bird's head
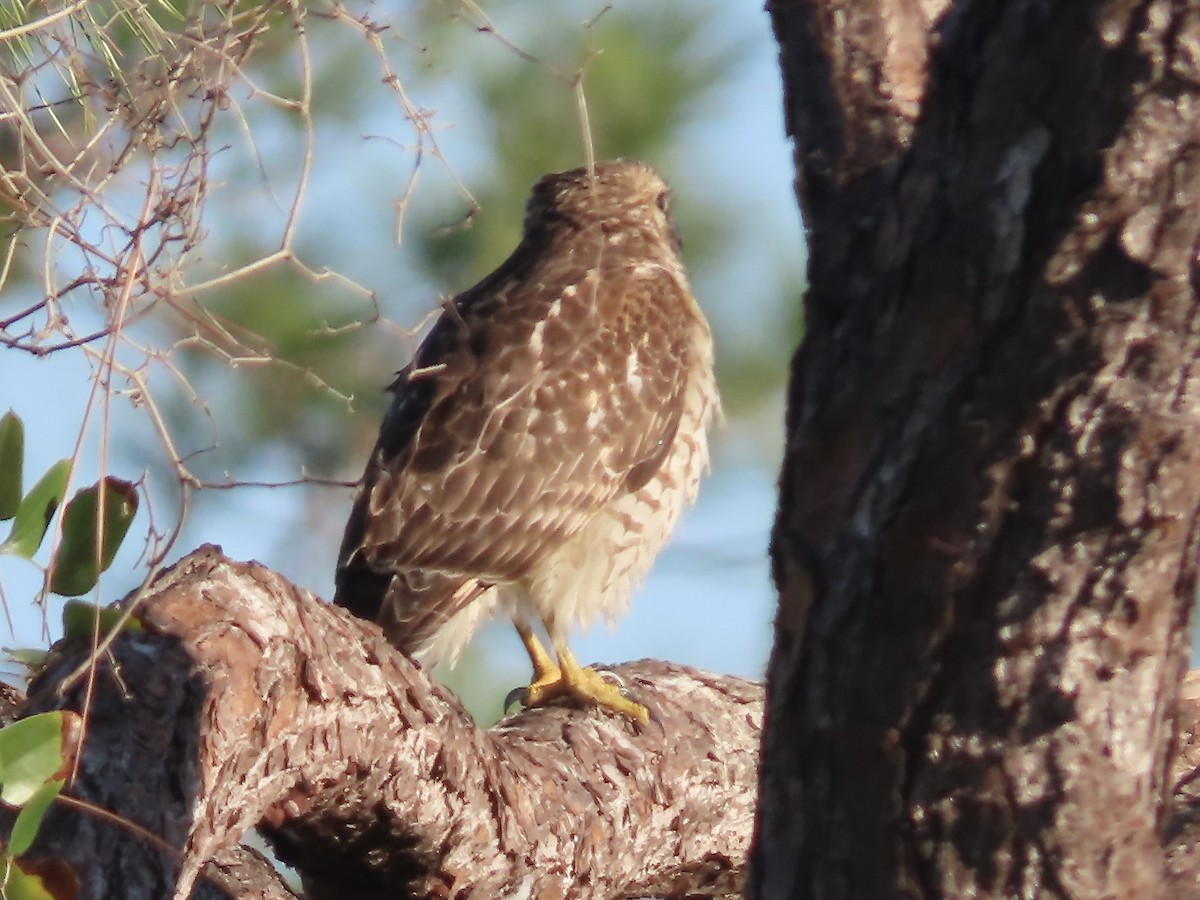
(621,195)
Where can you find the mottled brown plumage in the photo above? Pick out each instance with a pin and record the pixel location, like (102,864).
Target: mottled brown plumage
(541,444)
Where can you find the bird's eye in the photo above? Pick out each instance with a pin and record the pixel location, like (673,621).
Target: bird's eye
(664,202)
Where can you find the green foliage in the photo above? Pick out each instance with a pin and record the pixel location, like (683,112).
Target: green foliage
(89,542)
(31,754)
(88,622)
(35,756)
(20,884)
(146,26)
(94,524)
(118,36)
(36,511)
(30,658)
(29,819)
(12,461)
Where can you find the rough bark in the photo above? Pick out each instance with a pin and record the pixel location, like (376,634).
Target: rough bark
(1181,827)
(986,547)
(246,701)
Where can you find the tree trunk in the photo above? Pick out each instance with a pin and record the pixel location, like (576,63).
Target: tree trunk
(987,534)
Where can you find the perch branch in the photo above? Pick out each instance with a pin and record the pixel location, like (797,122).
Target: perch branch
(248,702)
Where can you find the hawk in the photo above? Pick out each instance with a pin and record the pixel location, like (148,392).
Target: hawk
(541,444)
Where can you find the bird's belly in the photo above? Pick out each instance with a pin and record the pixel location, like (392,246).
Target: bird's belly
(594,572)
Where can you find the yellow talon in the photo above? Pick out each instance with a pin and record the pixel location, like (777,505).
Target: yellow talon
(569,679)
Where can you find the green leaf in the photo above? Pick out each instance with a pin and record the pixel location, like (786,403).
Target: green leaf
(29,819)
(21,885)
(12,461)
(77,562)
(32,658)
(36,511)
(114,617)
(80,620)
(31,753)
(84,621)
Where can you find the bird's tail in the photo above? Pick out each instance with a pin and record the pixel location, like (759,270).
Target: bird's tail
(428,615)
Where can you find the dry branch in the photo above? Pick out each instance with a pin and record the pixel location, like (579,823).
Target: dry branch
(247,700)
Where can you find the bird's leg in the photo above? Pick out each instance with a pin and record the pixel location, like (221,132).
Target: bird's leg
(545,670)
(569,679)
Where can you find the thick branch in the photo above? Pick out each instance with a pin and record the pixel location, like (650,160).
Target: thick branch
(249,700)
(1181,829)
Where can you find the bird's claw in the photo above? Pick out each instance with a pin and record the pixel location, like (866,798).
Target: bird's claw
(611,677)
(585,686)
(518,696)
